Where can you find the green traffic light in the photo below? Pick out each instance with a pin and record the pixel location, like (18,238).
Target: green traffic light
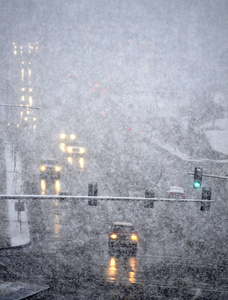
(197,184)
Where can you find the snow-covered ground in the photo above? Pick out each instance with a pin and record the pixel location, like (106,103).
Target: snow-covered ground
(17,231)
(176,152)
(218,137)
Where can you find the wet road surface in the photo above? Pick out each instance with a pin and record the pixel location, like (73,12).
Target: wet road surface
(69,252)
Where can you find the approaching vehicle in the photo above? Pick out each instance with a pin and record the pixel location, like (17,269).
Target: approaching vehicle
(65,139)
(122,235)
(76,150)
(50,169)
(176,192)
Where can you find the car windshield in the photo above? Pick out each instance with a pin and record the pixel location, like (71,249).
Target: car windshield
(114,113)
(122,228)
(49,162)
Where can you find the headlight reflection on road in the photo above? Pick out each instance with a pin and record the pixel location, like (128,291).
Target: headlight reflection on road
(30,100)
(43,186)
(62,146)
(22,74)
(81,162)
(57,187)
(57,226)
(122,269)
(132,272)
(70,160)
(112,269)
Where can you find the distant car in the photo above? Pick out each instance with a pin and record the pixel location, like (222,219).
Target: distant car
(121,236)
(50,169)
(176,192)
(76,150)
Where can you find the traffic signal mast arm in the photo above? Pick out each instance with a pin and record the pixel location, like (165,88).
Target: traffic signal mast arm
(19,106)
(208,175)
(14,197)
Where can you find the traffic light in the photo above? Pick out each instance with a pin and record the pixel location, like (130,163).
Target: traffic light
(92,191)
(149,203)
(198,174)
(206,195)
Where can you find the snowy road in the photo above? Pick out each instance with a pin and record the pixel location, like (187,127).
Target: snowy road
(69,252)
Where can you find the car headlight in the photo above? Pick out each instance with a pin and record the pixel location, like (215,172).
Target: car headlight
(134,237)
(62,136)
(113,236)
(42,168)
(69,149)
(82,150)
(57,169)
(72,137)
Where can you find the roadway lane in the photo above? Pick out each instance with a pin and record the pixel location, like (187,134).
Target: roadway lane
(69,253)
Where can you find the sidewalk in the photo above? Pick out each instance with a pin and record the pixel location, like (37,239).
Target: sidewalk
(19,290)
(14,230)
(14,224)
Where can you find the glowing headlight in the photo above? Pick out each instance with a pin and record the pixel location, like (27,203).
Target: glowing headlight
(62,136)
(72,137)
(42,168)
(113,236)
(57,169)
(69,150)
(134,237)
(82,150)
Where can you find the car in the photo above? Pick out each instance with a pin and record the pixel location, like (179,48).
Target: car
(50,169)
(176,192)
(76,150)
(122,236)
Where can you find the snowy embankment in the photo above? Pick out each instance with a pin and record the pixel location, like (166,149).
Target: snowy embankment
(17,230)
(217,138)
(174,151)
